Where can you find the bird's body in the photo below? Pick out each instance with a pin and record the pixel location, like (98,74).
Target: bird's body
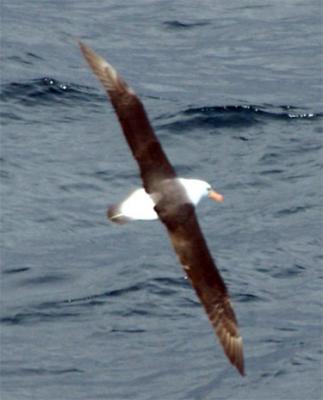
(173,201)
(140,205)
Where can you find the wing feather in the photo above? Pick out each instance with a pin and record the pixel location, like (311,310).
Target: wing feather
(146,149)
(193,253)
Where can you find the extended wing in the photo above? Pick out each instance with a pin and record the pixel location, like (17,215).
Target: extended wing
(146,149)
(194,255)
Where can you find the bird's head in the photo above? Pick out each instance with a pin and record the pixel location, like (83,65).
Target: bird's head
(197,189)
(212,194)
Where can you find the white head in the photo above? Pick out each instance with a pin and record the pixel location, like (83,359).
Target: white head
(197,189)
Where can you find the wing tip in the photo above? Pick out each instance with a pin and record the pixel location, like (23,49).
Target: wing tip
(101,68)
(107,74)
(88,53)
(238,359)
(233,349)
(226,327)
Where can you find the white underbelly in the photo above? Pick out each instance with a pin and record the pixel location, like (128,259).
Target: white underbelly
(139,205)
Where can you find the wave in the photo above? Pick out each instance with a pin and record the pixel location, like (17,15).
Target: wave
(175,24)
(46,91)
(74,307)
(231,115)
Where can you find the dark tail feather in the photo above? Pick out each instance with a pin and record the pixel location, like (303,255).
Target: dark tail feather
(115,215)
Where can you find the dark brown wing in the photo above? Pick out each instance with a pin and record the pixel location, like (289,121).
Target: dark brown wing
(197,262)
(146,149)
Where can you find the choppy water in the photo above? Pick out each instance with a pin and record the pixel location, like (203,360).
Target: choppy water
(91,310)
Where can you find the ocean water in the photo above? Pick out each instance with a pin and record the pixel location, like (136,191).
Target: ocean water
(91,310)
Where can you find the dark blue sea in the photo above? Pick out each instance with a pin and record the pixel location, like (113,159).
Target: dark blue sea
(91,310)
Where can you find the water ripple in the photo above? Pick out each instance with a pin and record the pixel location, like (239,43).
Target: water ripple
(46,91)
(230,116)
(178,25)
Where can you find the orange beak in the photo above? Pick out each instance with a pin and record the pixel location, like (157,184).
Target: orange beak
(215,196)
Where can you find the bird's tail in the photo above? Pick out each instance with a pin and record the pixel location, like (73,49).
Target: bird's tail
(114,214)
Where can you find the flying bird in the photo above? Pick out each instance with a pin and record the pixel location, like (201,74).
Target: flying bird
(171,199)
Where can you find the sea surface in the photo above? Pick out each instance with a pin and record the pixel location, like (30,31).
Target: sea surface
(91,310)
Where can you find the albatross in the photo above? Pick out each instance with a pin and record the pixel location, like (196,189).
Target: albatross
(172,200)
